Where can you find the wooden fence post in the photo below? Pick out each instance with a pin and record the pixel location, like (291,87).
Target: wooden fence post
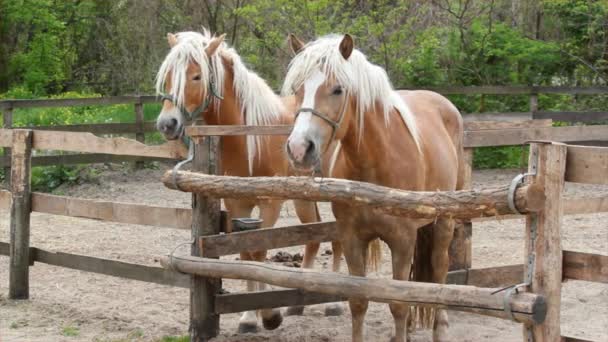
(140,135)
(204,322)
(533,104)
(461,249)
(543,265)
(7,122)
(21,161)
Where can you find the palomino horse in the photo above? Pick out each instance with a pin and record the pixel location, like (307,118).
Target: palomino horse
(203,76)
(407,140)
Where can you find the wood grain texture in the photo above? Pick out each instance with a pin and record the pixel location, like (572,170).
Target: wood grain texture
(522,135)
(112,211)
(87,142)
(270,238)
(204,321)
(198,131)
(6,137)
(587,164)
(5,200)
(115,268)
(585,266)
(21,164)
(82,158)
(486,125)
(573,117)
(464,204)
(105,128)
(527,307)
(544,230)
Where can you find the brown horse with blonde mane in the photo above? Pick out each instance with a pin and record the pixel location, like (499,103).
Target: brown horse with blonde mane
(411,140)
(202,76)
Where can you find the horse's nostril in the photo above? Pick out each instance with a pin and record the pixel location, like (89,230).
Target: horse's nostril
(311,147)
(172,123)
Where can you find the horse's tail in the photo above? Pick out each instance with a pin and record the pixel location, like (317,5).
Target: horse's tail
(422,271)
(374,254)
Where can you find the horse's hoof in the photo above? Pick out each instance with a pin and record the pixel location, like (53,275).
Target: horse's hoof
(295,311)
(273,322)
(248,327)
(334,309)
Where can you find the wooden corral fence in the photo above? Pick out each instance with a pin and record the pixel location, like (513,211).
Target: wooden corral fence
(206,219)
(139,127)
(534,293)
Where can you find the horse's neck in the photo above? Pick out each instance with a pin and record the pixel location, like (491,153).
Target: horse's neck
(234,148)
(381,153)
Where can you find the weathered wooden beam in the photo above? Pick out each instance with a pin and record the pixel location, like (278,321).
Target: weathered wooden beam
(83,158)
(485,125)
(268,238)
(543,236)
(19,287)
(87,142)
(583,116)
(587,164)
(238,302)
(110,100)
(198,131)
(521,136)
(6,137)
(101,128)
(527,307)
(204,322)
(465,204)
(585,266)
(115,268)
(5,200)
(573,339)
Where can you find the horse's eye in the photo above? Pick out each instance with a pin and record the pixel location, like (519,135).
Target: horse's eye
(196,78)
(337,90)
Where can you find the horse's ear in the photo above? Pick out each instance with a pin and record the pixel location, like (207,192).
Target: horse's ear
(214,44)
(295,44)
(346,46)
(172,39)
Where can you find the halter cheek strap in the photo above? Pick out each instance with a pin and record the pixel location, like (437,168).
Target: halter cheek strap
(335,125)
(211,93)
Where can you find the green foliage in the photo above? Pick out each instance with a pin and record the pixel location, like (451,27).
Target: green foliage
(48,178)
(500,157)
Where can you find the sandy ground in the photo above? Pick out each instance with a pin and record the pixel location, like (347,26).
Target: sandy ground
(69,305)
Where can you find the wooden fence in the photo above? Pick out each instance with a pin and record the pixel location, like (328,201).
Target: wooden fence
(546,264)
(139,127)
(21,202)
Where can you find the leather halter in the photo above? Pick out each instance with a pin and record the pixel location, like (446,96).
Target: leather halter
(335,125)
(211,92)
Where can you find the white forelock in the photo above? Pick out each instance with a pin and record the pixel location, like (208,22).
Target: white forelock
(367,83)
(259,104)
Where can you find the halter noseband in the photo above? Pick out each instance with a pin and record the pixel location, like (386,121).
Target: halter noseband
(335,125)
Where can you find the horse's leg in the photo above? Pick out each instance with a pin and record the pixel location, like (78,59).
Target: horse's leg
(335,309)
(443,232)
(401,242)
(355,252)
(237,209)
(269,212)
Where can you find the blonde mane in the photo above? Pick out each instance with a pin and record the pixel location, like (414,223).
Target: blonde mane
(259,104)
(367,83)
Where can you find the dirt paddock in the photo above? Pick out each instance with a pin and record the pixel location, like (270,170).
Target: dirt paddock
(69,305)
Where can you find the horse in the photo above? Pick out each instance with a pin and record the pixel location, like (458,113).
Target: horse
(202,77)
(411,140)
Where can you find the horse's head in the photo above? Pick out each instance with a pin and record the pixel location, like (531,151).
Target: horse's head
(319,77)
(185,81)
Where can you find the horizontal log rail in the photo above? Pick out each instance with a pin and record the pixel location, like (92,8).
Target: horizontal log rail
(114,268)
(500,276)
(464,204)
(527,307)
(448,90)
